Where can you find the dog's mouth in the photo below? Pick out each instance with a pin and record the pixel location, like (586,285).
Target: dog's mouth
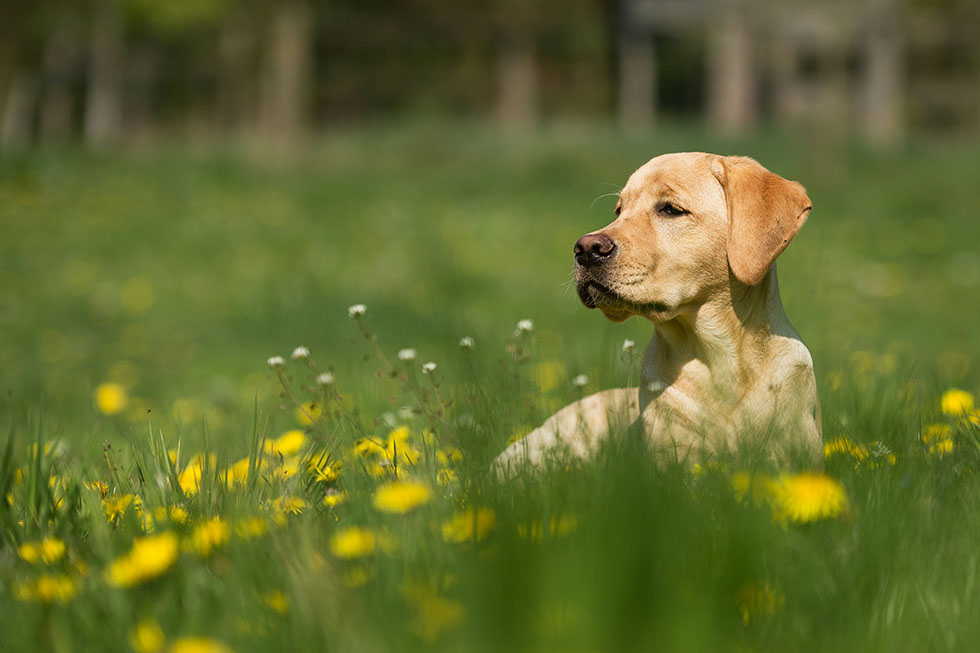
(592,292)
(597,295)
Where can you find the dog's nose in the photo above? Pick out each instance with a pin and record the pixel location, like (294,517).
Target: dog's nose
(592,249)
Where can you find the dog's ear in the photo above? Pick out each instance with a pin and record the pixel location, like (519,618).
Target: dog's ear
(764,213)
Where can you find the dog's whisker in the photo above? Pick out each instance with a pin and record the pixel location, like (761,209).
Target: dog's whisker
(612,194)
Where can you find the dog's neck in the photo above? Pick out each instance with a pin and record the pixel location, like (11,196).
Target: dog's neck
(723,342)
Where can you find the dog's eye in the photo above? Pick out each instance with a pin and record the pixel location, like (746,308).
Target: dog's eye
(619,209)
(669,209)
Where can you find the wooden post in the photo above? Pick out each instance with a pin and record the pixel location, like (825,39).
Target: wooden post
(517,81)
(637,76)
(103,101)
(731,92)
(881,89)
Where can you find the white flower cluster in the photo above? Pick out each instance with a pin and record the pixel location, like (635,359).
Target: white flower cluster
(300,353)
(325,379)
(357,310)
(525,326)
(428,368)
(466,342)
(580,381)
(407,355)
(629,345)
(276,361)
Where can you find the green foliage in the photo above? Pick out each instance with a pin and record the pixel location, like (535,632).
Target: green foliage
(179,15)
(174,274)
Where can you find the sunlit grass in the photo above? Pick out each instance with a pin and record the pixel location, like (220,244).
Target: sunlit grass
(204,446)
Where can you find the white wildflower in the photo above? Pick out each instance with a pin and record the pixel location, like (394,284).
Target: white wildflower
(629,345)
(428,368)
(466,342)
(357,310)
(524,326)
(407,355)
(276,361)
(300,353)
(580,381)
(325,379)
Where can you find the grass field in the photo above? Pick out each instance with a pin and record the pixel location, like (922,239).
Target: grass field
(165,488)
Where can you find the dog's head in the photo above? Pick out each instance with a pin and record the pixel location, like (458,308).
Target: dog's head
(687,226)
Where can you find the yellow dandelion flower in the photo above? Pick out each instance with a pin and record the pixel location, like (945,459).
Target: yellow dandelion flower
(290,505)
(210,535)
(385,468)
(324,472)
(308,413)
(251,527)
(198,645)
(353,542)
(334,498)
(111,398)
(468,525)
(957,402)
(149,557)
(938,438)
(286,444)
(190,477)
(399,497)
(278,601)
(808,497)
(400,435)
(839,445)
(98,486)
(368,447)
(446,477)
(236,474)
(49,551)
(47,589)
(147,637)
(403,452)
(116,505)
(448,455)
(178,515)
(758,600)
(941,447)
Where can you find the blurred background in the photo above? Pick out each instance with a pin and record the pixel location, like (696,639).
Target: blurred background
(110,71)
(189,187)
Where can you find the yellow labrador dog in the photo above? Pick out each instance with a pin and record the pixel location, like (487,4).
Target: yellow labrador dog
(692,250)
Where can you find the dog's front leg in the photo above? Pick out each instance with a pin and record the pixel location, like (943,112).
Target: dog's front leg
(577,428)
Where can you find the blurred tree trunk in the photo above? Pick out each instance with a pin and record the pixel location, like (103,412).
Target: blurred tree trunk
(60,53)
(517,81)
(881,89)
(287,78)
(731,92)
(637,77)
(19,110)
(236,47)
(103,102)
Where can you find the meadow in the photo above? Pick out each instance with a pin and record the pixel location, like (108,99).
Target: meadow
(249,402)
